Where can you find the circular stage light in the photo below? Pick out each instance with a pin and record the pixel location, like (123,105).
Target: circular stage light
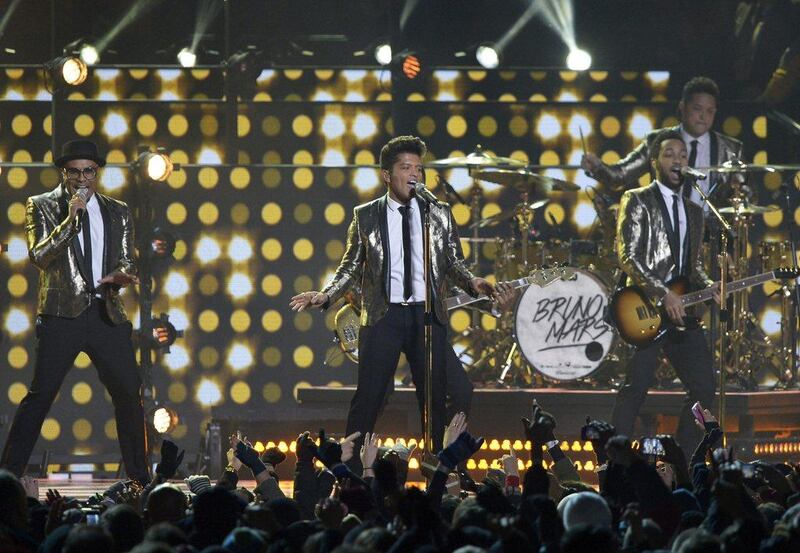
(579,60)
(488,56)
(187,58)
(383,53)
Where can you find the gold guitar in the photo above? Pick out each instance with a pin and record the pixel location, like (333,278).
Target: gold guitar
(640,323)
(347,320)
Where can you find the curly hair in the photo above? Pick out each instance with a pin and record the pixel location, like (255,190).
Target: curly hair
(401,145)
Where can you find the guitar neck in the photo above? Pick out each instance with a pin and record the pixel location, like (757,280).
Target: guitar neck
(465,299)
(704,295)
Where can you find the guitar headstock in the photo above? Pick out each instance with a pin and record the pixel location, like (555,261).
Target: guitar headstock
(787,272)
(543,277)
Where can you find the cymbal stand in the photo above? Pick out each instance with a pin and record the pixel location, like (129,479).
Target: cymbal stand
(723,291)
(739,309)
(524,219)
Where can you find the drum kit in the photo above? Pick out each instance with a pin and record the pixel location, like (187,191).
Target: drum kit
(557,330)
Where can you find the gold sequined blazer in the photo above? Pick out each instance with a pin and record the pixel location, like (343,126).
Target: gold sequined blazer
(366,257)
(54,249)
(643,246)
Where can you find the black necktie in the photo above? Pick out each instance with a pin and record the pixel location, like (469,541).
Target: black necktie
(687,187)
(407,287)
(676,234)
(87,249)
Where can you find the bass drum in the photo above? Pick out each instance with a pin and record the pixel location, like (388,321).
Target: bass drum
(560,328)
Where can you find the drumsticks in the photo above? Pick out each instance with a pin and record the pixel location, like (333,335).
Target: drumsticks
(583,141)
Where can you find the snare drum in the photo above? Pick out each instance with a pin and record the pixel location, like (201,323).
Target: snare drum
(560,328)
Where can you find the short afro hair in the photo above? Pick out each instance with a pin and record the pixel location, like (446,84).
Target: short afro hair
(699,85)
(401,145)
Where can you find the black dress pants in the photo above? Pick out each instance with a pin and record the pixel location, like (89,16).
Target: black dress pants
(380,345)
(109,346)
(688,353)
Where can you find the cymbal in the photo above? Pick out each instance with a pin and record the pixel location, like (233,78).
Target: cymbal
(749,209)
(505,215)
(478,158)
(523,179)
(748,168)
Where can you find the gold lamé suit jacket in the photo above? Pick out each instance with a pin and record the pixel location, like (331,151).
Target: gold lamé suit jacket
(366,257)
(54,249)
(626,172)
(643,245)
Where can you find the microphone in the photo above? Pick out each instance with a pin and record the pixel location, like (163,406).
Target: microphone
(423,192)
(84,195)
(693,173)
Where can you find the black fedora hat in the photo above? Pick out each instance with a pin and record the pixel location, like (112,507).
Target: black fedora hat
(79,149)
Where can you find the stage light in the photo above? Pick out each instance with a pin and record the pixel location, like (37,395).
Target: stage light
(155,166)
(488,55)
(411,66)
(89,54)
(187,58)
(162,333)
(69,70)
(579,60)
(164,419)
(162,244)
(383,53)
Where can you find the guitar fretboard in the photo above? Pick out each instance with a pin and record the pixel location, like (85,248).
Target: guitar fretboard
(705,295)
(465,299)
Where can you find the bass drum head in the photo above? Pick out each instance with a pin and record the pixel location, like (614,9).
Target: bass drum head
(560,328)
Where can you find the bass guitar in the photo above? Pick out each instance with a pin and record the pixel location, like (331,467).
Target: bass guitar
(640,322)
(348,318)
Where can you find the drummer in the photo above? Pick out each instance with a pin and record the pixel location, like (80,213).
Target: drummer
(697,109)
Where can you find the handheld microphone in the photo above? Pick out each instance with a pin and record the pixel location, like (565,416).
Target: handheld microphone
(693,173)
(423,192)
(84,195)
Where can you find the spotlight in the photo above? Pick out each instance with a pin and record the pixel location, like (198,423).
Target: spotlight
(164,419)
(488,55)
(162,244)
(155,166)
(187,58)
(89,54)
(411,66)
(383,53)
(69,70)
(162,333)
(579,60)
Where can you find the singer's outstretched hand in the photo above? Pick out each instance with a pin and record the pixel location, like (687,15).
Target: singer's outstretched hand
(308,299)
(119,279)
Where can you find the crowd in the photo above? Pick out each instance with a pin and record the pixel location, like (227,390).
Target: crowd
(361,503)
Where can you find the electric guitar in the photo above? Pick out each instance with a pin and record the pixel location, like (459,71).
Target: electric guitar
(348,319)
(640,323)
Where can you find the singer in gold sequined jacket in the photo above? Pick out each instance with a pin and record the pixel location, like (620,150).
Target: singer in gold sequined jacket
(643,247)
(366,257)
(54,248)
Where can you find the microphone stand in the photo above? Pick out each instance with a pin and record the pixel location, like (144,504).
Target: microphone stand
(722,260)
(794,312)
(427,411)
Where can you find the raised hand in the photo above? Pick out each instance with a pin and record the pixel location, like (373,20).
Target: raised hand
(539,428)
(369,451)
(329,451)
(509,462)
(460,450)
(455,428)
(31,486)
(170,459)
(348,445)
(305,448)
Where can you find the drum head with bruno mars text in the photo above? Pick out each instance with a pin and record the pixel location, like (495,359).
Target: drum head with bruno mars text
(560,328)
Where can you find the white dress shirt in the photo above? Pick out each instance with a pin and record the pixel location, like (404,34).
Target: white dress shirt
(98,237)
(703,160)
(668,195)
(394,220)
